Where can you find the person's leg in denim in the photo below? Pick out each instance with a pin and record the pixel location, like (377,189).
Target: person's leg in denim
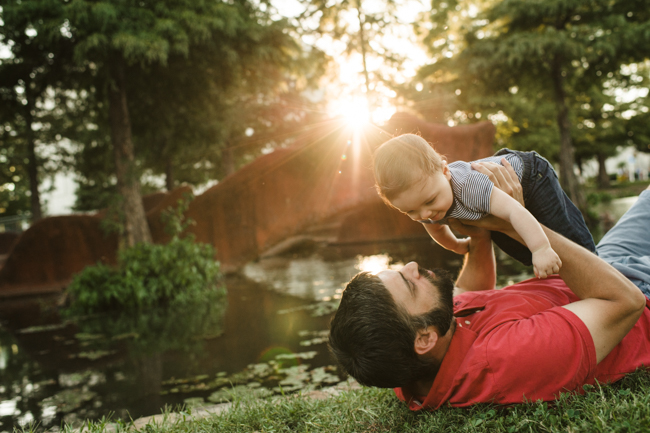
(627,245)
(547,202)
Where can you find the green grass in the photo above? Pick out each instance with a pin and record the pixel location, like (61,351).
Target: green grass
(622,407)
(620,189)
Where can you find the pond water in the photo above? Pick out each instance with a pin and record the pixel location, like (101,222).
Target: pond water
(267,337)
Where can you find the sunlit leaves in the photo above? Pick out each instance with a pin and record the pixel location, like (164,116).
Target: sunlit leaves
(519,43)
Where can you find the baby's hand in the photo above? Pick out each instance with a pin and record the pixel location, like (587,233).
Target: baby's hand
(462,246)
(546,262)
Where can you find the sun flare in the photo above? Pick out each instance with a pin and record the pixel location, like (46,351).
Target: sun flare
(377,263)
(355,111)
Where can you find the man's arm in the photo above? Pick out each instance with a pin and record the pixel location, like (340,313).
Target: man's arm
(479,268)
(609,303)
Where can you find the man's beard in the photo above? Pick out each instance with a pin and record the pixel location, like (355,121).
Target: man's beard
(441,315)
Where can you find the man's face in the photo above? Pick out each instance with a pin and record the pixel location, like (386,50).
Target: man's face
(412,288)
(429,199)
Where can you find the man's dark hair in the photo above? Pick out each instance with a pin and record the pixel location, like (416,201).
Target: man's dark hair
(373,338)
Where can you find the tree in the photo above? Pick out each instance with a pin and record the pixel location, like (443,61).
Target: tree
(14,182)
(35,67)
(361,27)
(121,37)
(118,43)
(540,48)
(205,121)
(638,126)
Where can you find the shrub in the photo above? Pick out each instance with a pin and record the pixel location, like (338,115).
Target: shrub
(148,275)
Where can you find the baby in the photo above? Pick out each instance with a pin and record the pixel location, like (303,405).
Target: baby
(413,178)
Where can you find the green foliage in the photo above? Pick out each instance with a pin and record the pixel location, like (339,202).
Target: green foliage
(597,197)
(14,183)
(360,28)
(514,61)
(147,275)
(37,62)
(180,273)
(174,217)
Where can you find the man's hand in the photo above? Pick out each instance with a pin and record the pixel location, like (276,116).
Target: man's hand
(503,177)
(479,269)
(546,262)
(462,247)
(473,231)
(486,224)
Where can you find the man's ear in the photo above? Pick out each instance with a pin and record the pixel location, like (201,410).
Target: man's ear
(425,340)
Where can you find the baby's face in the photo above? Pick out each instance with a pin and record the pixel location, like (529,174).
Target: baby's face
(429,199)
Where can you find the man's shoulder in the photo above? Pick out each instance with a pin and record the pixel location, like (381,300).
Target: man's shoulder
(528,287)
(514,302)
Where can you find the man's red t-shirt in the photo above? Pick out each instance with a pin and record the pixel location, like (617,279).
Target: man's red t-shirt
(518,344)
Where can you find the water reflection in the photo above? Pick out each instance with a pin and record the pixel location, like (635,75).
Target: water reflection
(310,278)
(377,263)
(323,276)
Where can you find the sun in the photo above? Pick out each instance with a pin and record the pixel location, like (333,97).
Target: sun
(355,111)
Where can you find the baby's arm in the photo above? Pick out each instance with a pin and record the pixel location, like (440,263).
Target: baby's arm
(443,235)
(545,260)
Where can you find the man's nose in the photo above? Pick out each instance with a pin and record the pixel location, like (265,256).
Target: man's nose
(425,213)
(411,268)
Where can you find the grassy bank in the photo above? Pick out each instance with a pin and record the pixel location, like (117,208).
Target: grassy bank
(616,190)
(622,407)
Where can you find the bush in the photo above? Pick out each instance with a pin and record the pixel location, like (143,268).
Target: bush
(597,197)
(148,275)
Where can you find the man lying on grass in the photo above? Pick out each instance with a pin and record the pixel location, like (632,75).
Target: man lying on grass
(436,342)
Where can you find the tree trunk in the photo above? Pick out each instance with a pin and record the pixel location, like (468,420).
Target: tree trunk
(136,228)
(32,165)
(227,160)
(568,178)
(169,174)
(362,38)
(603,177)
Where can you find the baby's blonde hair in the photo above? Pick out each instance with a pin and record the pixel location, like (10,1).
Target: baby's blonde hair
(402,162)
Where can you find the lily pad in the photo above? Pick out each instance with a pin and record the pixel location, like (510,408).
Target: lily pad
(42,328)
(69,400)
(195,402)
(323,375)
(301,355)
(96,354)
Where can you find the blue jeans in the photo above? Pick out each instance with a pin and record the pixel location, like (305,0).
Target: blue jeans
(627,245)
(547,202)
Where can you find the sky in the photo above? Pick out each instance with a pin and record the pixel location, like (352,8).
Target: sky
(347,69)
